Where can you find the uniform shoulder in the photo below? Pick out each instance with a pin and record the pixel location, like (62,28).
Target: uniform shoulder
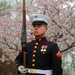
(48,40)
(52,43)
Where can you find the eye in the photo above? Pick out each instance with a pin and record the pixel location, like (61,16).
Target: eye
(37,25)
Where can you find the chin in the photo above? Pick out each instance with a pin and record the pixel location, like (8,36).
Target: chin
(37,35)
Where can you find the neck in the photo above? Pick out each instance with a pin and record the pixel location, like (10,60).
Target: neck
(39,37)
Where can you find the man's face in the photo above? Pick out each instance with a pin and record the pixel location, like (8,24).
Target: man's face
(39,30)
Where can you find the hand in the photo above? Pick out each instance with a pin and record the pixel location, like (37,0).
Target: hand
(22,69)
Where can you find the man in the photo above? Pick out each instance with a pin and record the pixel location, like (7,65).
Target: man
(43,56)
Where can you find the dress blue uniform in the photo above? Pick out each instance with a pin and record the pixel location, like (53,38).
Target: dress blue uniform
(42,56)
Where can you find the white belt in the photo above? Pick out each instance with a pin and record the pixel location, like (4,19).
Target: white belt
(39,71)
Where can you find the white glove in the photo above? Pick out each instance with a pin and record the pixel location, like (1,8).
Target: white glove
(22,69)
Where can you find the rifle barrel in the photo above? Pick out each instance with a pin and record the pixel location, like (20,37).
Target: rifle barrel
(23,36)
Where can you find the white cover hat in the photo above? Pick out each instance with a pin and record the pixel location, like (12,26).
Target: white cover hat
(40,17)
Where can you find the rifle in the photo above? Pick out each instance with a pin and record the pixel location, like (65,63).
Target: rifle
(23,36)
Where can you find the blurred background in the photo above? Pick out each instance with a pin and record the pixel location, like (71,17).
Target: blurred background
(61,30)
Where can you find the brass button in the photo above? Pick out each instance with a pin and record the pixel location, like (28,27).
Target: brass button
(33,55)
(36,43)
(44,50)
(39,39)
(35,46)
(33,60)
(33,64)
(16,64)
(34,51)
(41,50)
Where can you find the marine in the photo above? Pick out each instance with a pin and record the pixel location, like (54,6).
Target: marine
(43,56)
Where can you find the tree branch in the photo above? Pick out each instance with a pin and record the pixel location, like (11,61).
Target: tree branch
(72,45)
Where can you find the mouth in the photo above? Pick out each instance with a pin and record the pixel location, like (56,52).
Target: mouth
(35,32)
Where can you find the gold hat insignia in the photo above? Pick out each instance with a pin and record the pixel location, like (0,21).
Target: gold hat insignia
(36,16)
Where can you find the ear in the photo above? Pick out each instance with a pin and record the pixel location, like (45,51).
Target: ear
(46,28)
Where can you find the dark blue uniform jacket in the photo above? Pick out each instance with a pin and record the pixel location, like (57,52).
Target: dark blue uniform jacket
(42,54)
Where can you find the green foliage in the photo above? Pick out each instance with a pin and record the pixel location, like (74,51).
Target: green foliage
(4,5)
(73,64)
(17,2)
(31,1)
(66,71)
(68,66)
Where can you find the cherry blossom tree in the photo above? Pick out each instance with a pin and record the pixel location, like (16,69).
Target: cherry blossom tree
(61,29)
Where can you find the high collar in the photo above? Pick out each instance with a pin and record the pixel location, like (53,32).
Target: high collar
(41,39)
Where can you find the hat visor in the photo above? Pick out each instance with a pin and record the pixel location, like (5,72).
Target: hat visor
(38,23)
